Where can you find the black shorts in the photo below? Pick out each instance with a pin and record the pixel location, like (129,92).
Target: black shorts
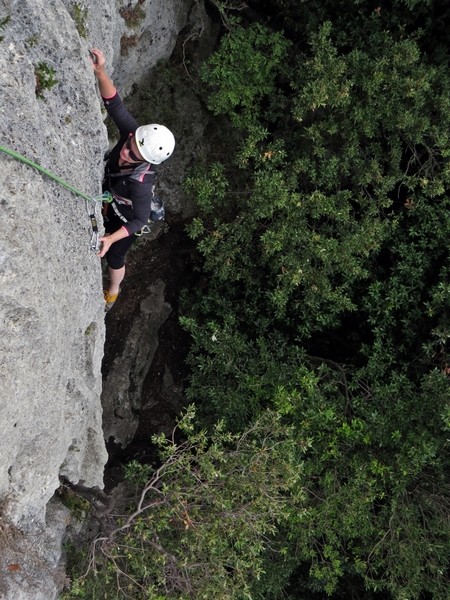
(115,257)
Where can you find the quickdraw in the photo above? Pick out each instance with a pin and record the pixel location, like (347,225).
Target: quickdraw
(106,197)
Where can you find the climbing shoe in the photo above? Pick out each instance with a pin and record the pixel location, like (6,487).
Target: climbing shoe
(109,299)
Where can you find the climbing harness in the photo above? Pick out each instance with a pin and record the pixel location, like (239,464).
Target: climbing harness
(93,200)
(157,214)
(157,209)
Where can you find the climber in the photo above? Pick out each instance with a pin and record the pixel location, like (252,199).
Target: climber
(129,176)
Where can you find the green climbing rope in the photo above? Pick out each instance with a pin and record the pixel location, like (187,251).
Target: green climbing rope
(105,197)
(68,186)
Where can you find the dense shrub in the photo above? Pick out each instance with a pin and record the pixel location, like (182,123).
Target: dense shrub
(327,290)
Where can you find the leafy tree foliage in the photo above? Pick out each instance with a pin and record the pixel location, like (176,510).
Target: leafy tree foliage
(201,521)
(324,240)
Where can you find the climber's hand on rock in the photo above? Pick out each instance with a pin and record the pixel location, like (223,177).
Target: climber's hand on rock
(98,60)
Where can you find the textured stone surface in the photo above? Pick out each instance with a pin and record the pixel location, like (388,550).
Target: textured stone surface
(145,35)
(123,384)
(52,321)
(51,305)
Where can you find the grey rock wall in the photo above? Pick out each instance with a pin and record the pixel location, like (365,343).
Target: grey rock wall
(146,34)
(51,308)
(123,385)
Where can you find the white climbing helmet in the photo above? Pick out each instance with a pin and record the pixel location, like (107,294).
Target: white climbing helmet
(155,142)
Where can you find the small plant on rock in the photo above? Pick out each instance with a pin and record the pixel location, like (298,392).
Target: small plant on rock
(127,42)
(32,41)
(45,78)
(79,15)
(3,23)
(132,16)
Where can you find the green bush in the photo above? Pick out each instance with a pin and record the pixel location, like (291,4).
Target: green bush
(202,521)
(326,294)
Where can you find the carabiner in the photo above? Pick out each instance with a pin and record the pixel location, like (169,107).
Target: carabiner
(95,242)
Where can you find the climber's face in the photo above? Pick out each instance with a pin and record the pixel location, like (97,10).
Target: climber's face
(129,152)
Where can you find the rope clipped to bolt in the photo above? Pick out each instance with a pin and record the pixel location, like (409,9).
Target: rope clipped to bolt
(105,197)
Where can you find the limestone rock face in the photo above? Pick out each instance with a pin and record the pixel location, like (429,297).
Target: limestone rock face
(146,33)
(123,384)
(52,328)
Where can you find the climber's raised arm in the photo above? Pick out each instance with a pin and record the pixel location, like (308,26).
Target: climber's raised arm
(105,85)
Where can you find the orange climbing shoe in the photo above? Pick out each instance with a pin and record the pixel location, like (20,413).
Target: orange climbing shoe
(109,299)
